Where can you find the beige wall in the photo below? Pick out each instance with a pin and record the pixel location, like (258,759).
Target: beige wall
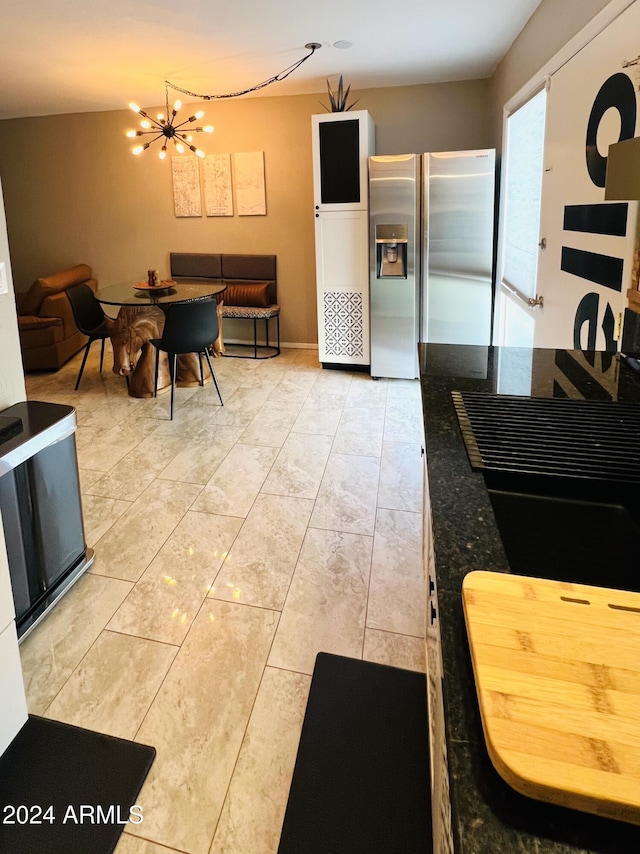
(11,377)
(552,25)
(74,192)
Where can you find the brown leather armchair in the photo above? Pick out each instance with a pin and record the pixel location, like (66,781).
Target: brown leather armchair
(48,333)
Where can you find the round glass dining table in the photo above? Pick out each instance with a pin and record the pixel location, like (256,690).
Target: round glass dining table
(141,319)
(184,291)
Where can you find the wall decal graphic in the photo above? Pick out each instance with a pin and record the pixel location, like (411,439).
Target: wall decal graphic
(597,219)
(592,102)
(618,93)
(587,314)
(585,375)
(594,267)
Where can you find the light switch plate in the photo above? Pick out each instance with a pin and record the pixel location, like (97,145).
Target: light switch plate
(4,287)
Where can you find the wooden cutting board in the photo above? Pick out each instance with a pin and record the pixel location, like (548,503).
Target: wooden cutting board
(557,670)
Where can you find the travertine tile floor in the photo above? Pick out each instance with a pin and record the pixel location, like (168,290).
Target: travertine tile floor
(232,544)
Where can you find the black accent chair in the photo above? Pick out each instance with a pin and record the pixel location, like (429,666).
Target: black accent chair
(189,327)
(90,320)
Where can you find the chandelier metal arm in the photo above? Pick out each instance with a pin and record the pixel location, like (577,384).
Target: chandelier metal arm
(311,46)
(186,122)
(144,132)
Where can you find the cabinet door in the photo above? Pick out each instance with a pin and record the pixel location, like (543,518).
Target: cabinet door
(342,277)
(440,795)
(440,798)
(342,144)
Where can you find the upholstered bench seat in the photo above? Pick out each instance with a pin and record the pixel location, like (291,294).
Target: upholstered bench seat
(249,312)
(246,312)
(250,290)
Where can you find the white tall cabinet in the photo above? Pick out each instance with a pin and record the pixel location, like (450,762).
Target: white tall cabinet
(342,144)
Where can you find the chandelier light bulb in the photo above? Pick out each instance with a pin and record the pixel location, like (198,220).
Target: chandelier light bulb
(176,105)
(133,133)
(145,123)
(208,129)
(134,107)
(179,147)
(138,149)
(199,153)
(199,114)
(163,152)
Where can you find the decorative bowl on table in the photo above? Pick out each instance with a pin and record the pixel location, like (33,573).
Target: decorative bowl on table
(145,286)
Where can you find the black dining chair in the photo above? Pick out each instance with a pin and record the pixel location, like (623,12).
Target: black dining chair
(189,327)
(90,320)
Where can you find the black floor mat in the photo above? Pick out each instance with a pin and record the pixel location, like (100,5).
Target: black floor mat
(361,778)
(53,778)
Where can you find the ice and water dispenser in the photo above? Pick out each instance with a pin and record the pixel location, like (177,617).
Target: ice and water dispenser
(41,506)
(391,251)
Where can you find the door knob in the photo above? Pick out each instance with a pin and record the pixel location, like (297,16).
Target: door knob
(543,243)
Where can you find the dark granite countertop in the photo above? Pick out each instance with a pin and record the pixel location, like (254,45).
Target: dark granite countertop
(487,815)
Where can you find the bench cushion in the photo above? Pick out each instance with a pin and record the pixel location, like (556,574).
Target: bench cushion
(190,265)
(246,293)
(249,267)
(251,312)
(245,270)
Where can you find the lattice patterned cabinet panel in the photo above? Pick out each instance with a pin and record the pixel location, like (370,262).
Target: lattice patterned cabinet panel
(343,324)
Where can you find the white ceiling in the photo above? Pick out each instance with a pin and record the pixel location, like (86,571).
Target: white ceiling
(69,56)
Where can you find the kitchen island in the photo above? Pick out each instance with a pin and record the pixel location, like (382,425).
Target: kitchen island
(487,816)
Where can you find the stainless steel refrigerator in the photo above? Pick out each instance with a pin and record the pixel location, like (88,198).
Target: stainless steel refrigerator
(430,254)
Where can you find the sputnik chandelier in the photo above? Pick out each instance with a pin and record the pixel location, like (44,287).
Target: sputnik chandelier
(166,129)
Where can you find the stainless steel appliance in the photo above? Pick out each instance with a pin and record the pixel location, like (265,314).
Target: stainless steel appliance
(41,506)
(458,201)
(394,264)
(431,254)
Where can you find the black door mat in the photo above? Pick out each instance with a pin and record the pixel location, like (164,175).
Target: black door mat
(67,790)
(361,779)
